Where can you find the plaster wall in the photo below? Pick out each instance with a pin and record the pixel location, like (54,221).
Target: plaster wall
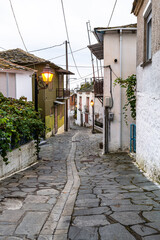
(84,95)
(24,86)
(98,109)
(148,117)
(112,52)
(18,159)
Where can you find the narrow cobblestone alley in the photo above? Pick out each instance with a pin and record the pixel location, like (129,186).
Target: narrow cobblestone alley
(115,200)
(76,193)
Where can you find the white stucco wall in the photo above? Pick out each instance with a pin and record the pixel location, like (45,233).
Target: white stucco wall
(98,109)
(148,117)
(18,159)
(84,96)
(111,52)
(24,86)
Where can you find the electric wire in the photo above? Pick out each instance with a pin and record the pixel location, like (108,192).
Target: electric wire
(74,66)
(85,76)
(3,48)
(68,53)
(41,49)
(112,13)
(65,22)
(18,26)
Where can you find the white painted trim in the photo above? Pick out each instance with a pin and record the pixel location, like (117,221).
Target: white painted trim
(147,9)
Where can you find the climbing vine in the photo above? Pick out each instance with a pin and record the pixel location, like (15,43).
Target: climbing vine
(130,85)
(19,123)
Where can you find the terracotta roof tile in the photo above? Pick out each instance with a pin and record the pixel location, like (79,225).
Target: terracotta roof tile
(6,65)
(20,56)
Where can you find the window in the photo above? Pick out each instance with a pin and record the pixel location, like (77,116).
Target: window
(87,104)
(80,103)
(8,84)
(147,14)
(149,37)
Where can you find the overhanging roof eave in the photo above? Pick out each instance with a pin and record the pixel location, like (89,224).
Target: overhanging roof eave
(97,50)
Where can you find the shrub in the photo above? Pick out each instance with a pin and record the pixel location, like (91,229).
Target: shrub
(18,121)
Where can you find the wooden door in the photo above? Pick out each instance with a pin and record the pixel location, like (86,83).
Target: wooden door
(86,118)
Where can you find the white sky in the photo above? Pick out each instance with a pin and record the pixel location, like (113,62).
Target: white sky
(42,25)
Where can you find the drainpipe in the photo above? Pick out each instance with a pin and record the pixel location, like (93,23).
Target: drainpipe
(120,139)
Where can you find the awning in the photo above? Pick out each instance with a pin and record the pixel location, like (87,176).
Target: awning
(97,50)
(64,71)
(58,102)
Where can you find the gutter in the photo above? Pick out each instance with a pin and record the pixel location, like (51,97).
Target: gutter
(113,29)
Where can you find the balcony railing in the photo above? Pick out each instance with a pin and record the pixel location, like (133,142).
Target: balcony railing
(62,93)
(98,87)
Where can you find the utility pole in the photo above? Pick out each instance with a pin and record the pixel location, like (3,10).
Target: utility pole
(92,60)
(66,46)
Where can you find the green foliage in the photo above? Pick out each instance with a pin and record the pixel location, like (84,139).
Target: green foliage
(130,85)
(18,120)
(86,85)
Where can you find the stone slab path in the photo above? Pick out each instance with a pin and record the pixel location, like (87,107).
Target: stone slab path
(32,201)
(76,193)
(115,200)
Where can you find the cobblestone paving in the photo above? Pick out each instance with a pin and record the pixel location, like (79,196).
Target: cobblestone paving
(115,200)
(27,198)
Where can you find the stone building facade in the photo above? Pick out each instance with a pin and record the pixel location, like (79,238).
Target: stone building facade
(148,86)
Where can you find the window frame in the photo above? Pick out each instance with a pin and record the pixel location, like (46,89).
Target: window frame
(149,36)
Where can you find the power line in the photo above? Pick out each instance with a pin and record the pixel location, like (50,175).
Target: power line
(69,53)
(74,66)
(95,72)
(3,48)
(41,49)
(86,76)
(17,25)
(68,39)
(112,12)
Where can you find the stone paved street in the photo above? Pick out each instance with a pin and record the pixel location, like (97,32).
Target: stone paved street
(115,200)
(28,197)
(76,193)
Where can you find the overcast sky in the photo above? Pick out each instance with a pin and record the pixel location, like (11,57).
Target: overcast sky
(42,25)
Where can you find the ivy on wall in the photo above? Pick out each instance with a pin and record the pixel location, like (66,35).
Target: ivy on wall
(19,123)
(130,85)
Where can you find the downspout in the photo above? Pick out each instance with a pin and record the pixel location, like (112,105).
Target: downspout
(120,139)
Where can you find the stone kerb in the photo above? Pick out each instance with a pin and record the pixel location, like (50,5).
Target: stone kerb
(18,159)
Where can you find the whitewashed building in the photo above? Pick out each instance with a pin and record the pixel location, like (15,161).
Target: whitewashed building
(84,108)
(148,86)
(15,80)
(117,47)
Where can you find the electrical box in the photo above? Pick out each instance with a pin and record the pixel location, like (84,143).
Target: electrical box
(111,116)
(108,102)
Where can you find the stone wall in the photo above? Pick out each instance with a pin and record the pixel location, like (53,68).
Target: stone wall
(148,117)
(141,35)
(18,159)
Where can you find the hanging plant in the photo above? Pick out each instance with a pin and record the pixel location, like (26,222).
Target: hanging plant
(19,123)
(130,85)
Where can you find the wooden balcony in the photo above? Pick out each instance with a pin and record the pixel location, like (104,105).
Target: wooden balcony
(98,87)
(62,93)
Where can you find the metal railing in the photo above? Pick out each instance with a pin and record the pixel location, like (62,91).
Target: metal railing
(98,86)
(62,93)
